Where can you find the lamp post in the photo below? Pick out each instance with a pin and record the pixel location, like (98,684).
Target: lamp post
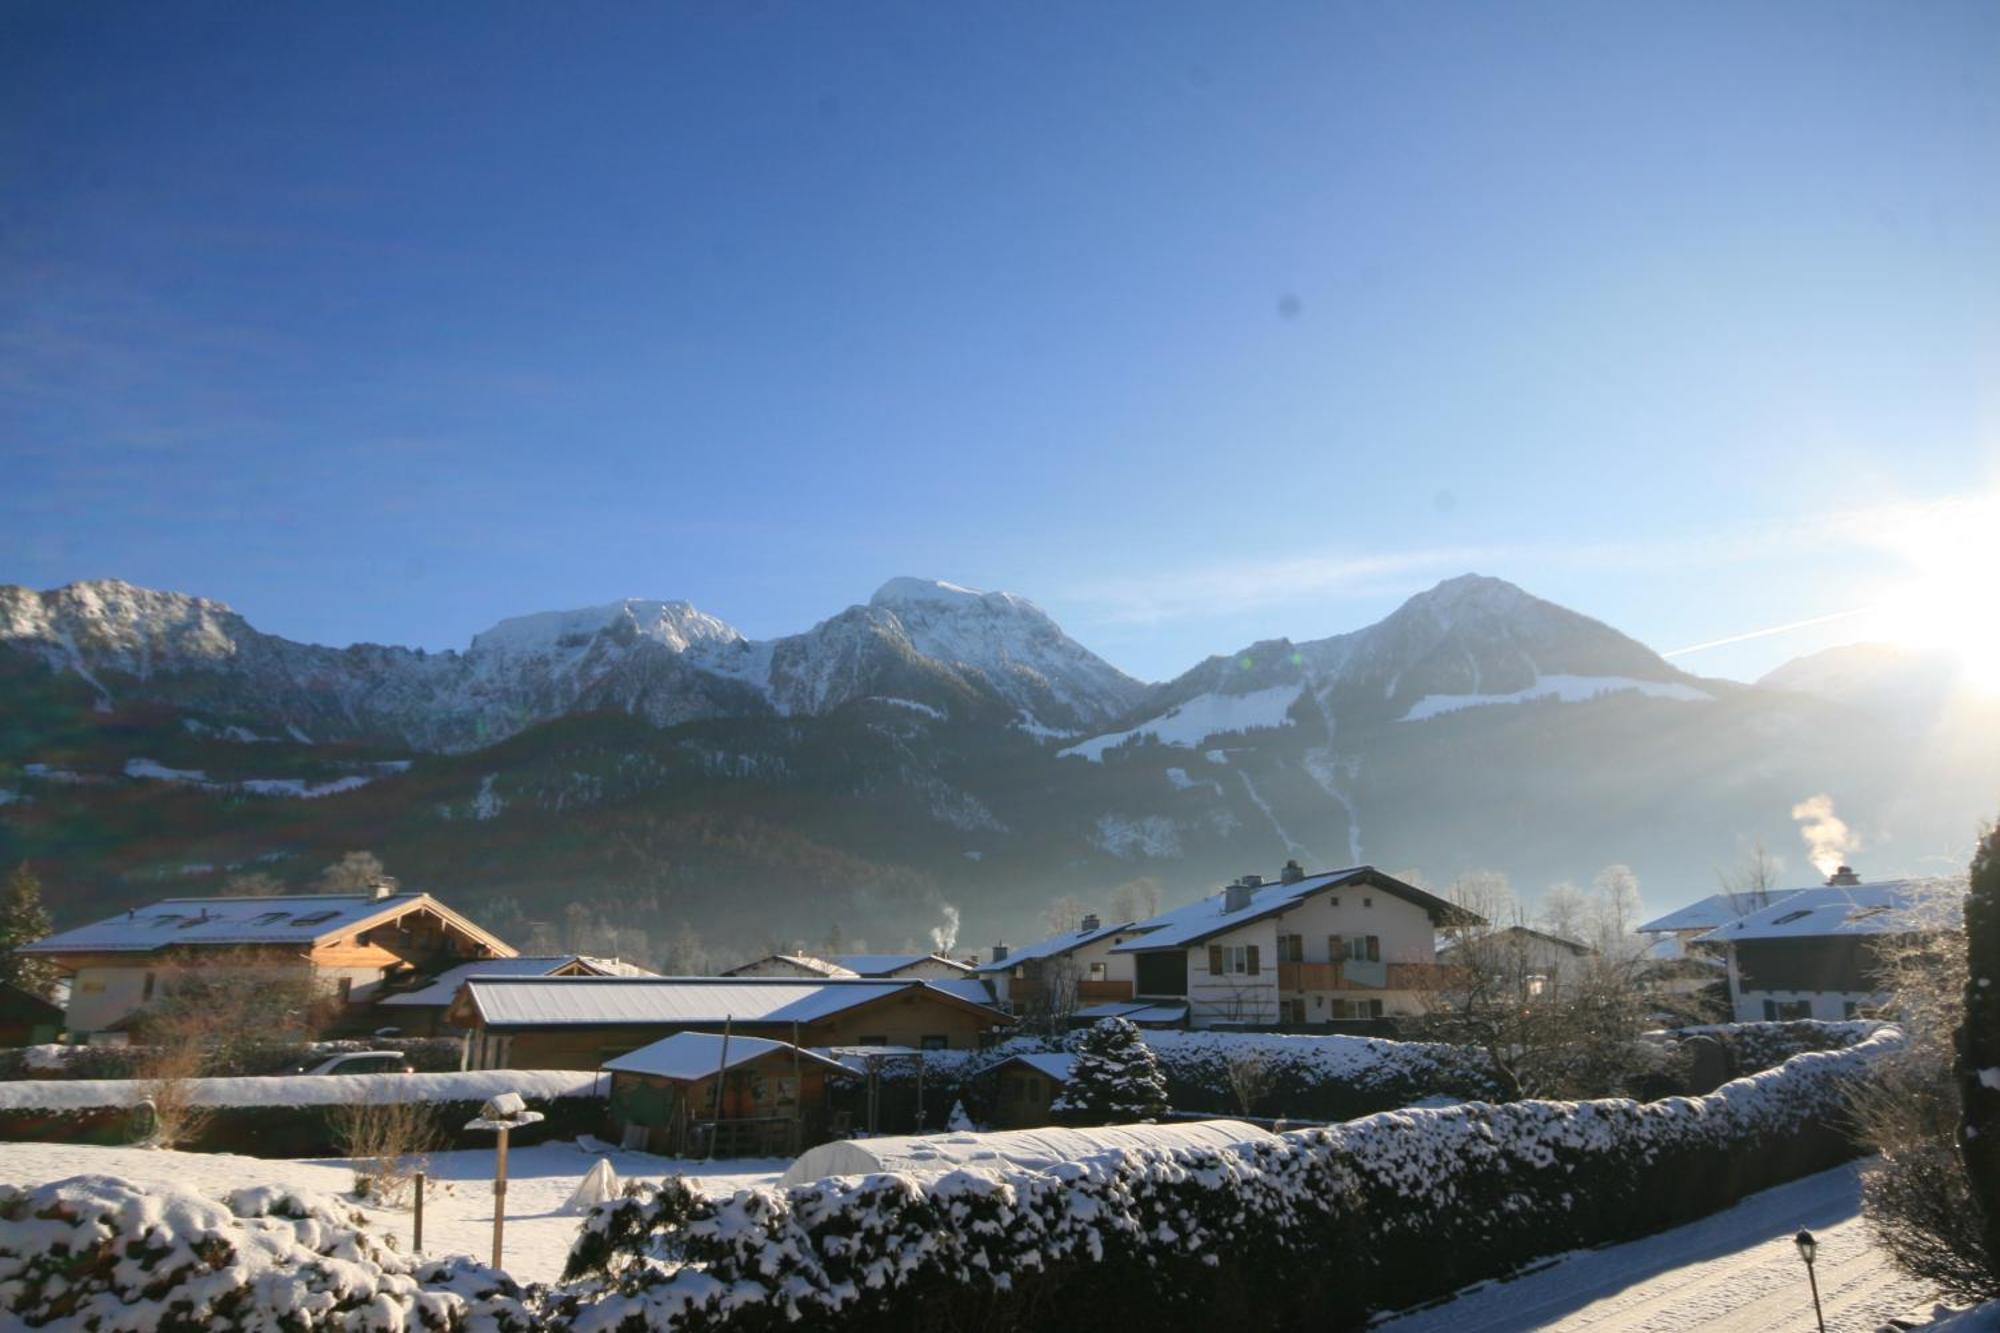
(1808,1248)
(502,1113)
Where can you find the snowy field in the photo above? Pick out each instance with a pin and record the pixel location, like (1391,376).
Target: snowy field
(458,1205)
(1734,1272)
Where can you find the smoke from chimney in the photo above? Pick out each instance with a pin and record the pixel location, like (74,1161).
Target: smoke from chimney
(944,938)
(1828,839)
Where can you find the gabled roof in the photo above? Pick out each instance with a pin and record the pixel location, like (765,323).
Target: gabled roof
(299,919)
(616,1001)
(1056,1064)
(1055,946)
(445,984)
(1199,921)
(1529,933)
(1891,907)
(691,1056)
(803,962)
(888,964)
(1715,910)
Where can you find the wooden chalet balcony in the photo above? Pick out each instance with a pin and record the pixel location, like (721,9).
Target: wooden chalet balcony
(1309,976)
(1098,992)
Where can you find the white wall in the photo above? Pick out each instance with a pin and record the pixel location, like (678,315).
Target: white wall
(100,996)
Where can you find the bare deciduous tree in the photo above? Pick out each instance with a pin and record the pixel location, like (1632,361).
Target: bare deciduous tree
(252,884)
(1136,899)
(1063,915)
(387,1142)
(1751,881)
(354,872)
(1250,1077)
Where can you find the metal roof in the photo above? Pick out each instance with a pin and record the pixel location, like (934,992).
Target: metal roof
(612,1001)
(445,984)
(176,923)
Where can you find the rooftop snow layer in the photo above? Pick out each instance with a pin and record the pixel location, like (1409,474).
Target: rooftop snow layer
(688,1056)
(178,922)
(610,1001)
(1888,908)
(1199,920)
(1715,910)
(445,984)
(885,964)
(1055,946)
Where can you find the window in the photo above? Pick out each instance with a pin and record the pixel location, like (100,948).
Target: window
(1097,971)
(147,993)
(1292,1011)
(1291,948)
(314,918)
(935,1041)
(1233,960)
(1790,917)
(1367,902)
(268,918)
(1374,1008)
(1364,948)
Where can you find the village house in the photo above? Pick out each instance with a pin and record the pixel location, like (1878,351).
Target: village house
(1074,969)
(1671,934)
(581,1022)
(351,944)
(772,1101)
(1307,949)
(419,1009)
(1812,954)
(1539,965)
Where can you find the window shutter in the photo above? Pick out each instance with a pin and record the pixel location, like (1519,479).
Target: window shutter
(1336,948)
(1215,960)
(1374,948)
(1251,965)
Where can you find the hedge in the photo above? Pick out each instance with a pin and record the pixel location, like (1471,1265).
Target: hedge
(1318,1231)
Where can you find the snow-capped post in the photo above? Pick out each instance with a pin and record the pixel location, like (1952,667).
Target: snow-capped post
(721,1077)
(1807,1248)
(1115,1078)
(502,1113)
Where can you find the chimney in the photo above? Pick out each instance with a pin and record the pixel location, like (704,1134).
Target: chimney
(1090,923)
(1291,874)
(999,953)
(1253,881)
(383,887)
(1842,878)
(1236,897)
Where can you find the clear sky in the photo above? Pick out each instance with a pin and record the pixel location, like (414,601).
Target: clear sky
(1195,323)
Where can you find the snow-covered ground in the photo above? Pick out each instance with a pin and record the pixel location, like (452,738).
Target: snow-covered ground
(458,1204)
(1734,1272)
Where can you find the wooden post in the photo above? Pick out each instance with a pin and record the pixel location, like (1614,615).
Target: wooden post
(721,1077)
(417,1240)
(920,1092)
(798,1095)
(499,1196)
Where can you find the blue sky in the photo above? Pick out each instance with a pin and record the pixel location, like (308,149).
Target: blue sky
(1196,323)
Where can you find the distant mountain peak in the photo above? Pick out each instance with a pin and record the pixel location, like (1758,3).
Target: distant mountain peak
(904,592)
(674,625)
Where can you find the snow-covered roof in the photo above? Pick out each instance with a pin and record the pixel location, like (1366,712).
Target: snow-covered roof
(178,923)
(1199,920)
(1525,934)
(965,988)
(610,1001)
(803,962)
(1055,946)
(1056,1064)
(1715,910)
(445,984)
(888,964)
(1887,908)
(1017,1150)
(689,1056)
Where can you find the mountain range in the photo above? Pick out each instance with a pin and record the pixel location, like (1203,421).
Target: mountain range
(934,754)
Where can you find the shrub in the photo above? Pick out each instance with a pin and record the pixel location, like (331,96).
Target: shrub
(387,1141)
(1115,1077)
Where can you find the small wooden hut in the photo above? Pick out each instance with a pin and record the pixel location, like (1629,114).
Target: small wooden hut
(700,1094)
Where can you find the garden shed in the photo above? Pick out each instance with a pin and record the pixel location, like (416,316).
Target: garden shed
(772,1096)
(1020,1149)
(1026,1088)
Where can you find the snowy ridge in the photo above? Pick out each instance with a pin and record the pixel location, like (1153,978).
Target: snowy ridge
(1566,689)
(1190,723)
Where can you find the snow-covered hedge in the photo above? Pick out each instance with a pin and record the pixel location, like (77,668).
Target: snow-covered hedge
(293,1116)
(1317,1229)
(96,1253)
(1757,1046)
(426,1054)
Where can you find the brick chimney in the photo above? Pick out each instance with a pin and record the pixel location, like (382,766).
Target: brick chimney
(1842,878)
(1090,923)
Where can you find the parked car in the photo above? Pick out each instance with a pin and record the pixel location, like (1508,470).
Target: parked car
(360,1062)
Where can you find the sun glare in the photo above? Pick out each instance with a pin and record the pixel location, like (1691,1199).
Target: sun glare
(1943,601)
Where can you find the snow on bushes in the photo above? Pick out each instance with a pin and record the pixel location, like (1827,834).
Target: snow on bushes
(1757,1046)
(96,1253)
(1319,1228)
(1115,1077)
(307,1089)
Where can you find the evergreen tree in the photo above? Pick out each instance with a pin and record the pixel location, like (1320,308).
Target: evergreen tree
(958,1122)
(1979,1043)
(23,920)
(1116,1078)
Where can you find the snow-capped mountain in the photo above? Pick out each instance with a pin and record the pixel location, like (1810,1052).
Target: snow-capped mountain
(664,661)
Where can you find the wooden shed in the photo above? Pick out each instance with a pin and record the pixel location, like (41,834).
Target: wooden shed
(1028,1085)
(27,1019)
(771,1102)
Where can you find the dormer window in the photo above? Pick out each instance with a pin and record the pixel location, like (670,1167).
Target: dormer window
(314,918)
(1790,917)
(268,918)
(165,919)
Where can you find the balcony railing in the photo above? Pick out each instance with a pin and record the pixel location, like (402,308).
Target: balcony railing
(1294,977)
(1309,976)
